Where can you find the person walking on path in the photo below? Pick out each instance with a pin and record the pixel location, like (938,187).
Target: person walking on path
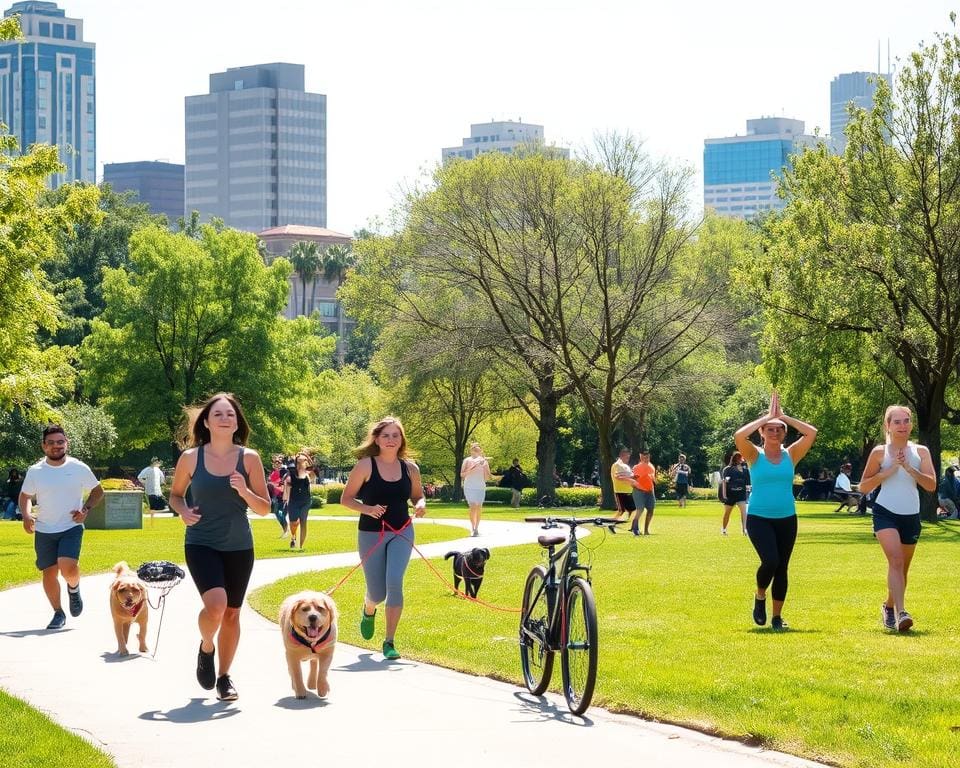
(771,513)
(296,496)
(680,473)
(645,498)
(898,467)
(378,487)
(151,478)
(622,477)
(733,491)
(275,488)
(515,479)
(225,478)
(475,472)
(58,482)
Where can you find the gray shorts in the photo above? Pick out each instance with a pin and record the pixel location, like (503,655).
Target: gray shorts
(52,546)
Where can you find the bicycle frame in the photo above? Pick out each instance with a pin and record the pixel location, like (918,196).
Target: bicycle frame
(556,589)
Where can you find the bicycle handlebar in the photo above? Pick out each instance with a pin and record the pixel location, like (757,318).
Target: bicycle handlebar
(575,521)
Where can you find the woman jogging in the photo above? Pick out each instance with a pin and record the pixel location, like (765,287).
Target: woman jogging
(733,491)
(897,467)
(296,497)
(224,478)
(379,486)
(771,513)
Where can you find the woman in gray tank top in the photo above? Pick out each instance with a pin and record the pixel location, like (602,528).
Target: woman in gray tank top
(897,467)
(225,479)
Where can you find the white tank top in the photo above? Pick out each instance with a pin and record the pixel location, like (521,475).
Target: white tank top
(898,493)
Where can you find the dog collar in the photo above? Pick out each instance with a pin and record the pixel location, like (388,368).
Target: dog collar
(314,647)
(134,610)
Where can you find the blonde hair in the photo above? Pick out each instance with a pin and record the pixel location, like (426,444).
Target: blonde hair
(887,416)
(369,448)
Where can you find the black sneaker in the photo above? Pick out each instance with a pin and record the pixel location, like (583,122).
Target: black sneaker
(888,616)
(778,623)
(206,669)
(58,620)
(225,689)
(76,602)
(759,611)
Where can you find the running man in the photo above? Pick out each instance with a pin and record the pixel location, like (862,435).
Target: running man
(58,482)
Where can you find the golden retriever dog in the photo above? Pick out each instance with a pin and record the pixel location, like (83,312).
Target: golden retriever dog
(308,623)
(128,604)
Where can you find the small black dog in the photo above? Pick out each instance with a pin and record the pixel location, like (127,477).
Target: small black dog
(469,567)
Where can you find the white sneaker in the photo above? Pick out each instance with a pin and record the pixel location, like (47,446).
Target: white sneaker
(723,531)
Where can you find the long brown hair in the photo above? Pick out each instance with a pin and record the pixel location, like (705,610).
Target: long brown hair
(195,432)
(369,447)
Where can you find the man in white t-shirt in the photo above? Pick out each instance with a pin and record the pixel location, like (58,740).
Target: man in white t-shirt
(844,491)
(151,478)
(58,483)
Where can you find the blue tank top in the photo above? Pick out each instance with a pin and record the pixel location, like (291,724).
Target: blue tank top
(223,523)
(772,487)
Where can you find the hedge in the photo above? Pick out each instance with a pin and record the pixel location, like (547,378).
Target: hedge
(318,496)
(333,492)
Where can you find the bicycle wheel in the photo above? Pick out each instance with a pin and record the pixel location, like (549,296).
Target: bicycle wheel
(536,656)
(578,652)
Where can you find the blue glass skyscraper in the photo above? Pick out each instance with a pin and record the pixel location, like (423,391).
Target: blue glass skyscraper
(48,87)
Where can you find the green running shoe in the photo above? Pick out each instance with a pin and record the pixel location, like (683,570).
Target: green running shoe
(389,651)
(366,624)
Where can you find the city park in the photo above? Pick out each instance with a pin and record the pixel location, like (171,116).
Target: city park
(551,309)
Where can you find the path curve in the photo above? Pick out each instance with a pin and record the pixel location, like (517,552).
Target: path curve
(150,713)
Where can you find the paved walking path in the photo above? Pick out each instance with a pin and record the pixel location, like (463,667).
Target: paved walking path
(150,713)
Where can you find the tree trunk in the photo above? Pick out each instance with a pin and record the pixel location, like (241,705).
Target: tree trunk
(606,462)
(928,430)
(547,439)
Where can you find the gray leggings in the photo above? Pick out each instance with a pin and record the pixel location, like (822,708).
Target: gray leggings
(385,566)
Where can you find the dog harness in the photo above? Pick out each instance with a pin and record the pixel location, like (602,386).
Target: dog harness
(134,609)
(315,647)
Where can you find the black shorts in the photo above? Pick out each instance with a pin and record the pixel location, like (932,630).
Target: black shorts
(908,526)
(682,490)
(50,547)
(734,497)
(211,569)
(625,502)
(297,511)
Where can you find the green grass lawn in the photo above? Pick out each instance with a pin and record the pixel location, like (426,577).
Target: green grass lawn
(678,643)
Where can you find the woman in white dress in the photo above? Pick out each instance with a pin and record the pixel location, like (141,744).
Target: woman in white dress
(475,471)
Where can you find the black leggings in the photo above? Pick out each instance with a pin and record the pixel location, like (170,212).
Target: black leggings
(773,538)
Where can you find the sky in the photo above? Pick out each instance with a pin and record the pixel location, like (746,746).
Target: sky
(404,78)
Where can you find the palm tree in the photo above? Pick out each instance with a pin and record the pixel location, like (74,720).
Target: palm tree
(306,260)
(337,261)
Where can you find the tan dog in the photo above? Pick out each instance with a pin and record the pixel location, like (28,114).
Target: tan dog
(128,604)
(308,623)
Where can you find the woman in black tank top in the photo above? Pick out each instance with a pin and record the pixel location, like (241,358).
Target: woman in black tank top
(227,479)
(296,494)
(379,488)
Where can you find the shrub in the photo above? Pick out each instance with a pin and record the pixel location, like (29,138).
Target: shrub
(498,495)
(119,484)
(333,492)
(318,496)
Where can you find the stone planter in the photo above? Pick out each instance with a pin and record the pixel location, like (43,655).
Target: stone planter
(118,510)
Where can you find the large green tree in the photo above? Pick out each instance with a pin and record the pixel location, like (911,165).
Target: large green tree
(196,315)
(867,246)
(76,268)
(31,376)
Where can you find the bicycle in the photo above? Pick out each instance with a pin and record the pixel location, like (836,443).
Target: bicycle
(559,613)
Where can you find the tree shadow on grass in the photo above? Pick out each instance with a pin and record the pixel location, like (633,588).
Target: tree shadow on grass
(542,709)
(196,711)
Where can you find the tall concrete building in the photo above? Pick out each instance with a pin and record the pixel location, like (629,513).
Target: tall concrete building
(504,136)
(256,149)
(856,87)
(48,87)
(159,185)
(738,171)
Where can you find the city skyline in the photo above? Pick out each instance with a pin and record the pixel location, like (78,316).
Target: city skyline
(402,79)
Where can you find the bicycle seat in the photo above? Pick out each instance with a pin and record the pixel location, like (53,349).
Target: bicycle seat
(551,541)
